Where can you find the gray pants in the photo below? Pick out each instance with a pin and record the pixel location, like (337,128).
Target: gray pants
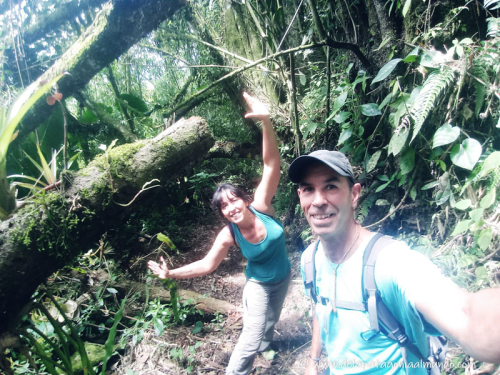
(262,303)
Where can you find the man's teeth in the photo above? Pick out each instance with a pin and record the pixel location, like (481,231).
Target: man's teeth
(322,216)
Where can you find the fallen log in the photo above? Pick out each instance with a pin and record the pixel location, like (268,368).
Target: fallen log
(206,304)
(55,227)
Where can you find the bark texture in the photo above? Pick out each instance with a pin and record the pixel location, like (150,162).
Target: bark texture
(53,229)
(118,26)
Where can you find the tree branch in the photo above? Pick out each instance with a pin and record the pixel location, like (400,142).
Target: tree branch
(334,44)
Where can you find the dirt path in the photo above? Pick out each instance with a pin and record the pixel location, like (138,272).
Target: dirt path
(208,351)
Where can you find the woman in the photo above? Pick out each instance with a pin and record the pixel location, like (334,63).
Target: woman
(260,236)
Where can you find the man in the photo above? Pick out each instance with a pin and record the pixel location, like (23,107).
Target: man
(420,298)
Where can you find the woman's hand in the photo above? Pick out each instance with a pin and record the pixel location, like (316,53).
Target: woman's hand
(258,109)
(159,269)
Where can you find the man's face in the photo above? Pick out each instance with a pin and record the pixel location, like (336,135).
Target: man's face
(327,201)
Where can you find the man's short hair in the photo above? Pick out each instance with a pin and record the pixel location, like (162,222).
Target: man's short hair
(334,159)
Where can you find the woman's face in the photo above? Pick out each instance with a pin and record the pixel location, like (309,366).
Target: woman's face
(232,207)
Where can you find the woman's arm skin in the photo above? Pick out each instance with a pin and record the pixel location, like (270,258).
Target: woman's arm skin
(270,155)
(201,267)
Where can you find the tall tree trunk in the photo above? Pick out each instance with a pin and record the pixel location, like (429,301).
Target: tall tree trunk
(117,27)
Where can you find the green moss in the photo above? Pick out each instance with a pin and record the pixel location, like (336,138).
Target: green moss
(119,159)
(49,225)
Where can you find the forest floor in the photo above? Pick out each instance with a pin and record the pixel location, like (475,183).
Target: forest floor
(208,351)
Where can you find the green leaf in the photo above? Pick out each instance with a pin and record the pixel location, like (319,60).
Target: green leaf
(341,117)
(158,326)
(406,7)
(382,187)
(413,55)
(481,273)
(463,204)
(467,154)
(47,172)
(476,214)
(135,102)
(384,42)
(197,327)
(88,117)
(397,142)
(382,202)
(269,354)
(430,185)
(386,70)
(386,100)
(17,111)
(413,193)
(110,342)
(372,163)
(485,237)
(445,135)
(339,101)
(167,241)
(345,135)
(302,79)
(488,200)
(370,109)
(491,163)
(461,227)
(407,162)
(383,178)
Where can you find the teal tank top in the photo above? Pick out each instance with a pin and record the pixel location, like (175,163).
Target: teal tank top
(267,260)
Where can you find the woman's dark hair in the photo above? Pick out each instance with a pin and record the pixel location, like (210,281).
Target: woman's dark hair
(234,190)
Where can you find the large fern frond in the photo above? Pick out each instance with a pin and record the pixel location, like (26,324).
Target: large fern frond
(436,83)
(480,70)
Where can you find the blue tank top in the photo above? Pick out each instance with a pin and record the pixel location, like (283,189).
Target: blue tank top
(267,260)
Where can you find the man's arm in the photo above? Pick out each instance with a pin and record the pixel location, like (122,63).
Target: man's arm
(315,351)
(470,319)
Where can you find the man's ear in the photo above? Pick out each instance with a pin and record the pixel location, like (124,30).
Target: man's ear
(298,191)
(356,193)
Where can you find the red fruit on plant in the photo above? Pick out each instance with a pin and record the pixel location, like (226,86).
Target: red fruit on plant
(57,96)
(51,100)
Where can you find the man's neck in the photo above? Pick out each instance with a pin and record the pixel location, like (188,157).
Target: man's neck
(339,248)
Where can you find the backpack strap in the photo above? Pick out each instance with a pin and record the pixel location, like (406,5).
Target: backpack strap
(310,270)
(378,312)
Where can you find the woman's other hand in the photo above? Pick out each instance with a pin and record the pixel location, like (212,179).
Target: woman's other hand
(257,108)
(159,269)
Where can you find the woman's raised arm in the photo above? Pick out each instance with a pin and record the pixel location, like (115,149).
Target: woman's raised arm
(270,155)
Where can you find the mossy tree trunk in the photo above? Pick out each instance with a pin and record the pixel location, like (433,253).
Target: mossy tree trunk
(53,229)
(119,25)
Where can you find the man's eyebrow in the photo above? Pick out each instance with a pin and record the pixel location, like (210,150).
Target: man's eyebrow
(331,179)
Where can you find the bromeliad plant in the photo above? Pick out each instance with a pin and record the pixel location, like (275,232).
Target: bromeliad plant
(48,171)
(8,124)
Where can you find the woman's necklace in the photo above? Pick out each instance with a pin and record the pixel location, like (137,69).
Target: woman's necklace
(334,299)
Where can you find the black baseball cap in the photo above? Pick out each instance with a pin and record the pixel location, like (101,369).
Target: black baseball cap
(334,159)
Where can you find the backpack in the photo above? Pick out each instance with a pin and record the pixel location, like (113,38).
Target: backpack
(380,317)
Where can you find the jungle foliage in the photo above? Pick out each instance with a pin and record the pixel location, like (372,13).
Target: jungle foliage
(409,90)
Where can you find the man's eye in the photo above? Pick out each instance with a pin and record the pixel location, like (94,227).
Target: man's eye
(307,189)
(331,187)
